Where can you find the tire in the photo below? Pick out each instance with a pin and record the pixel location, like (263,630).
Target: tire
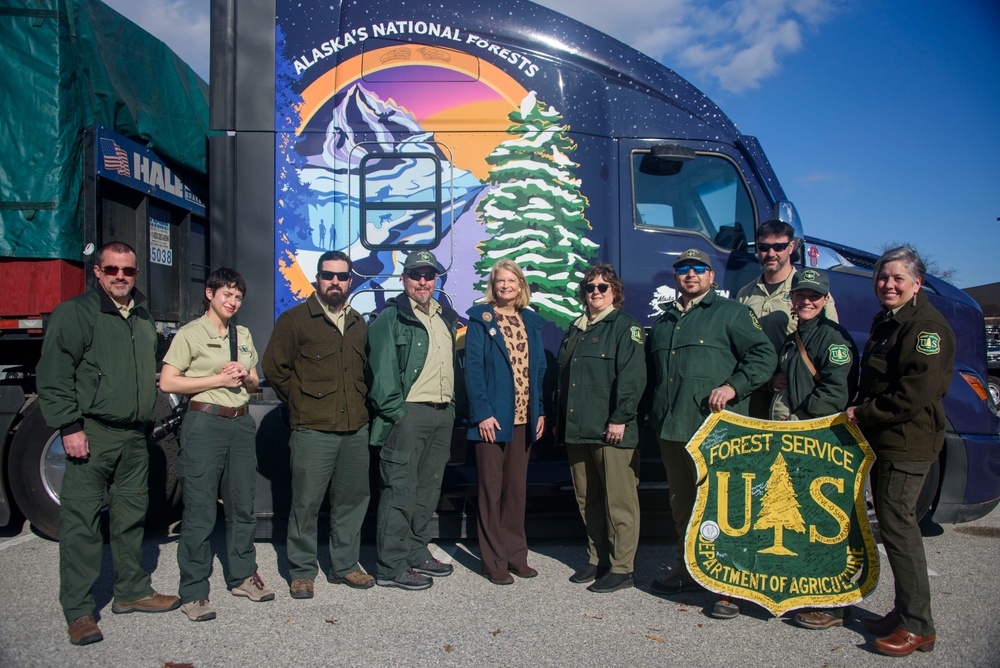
(37,462)
(994,387)
(35,465)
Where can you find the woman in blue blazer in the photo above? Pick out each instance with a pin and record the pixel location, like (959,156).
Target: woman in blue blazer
(504,368)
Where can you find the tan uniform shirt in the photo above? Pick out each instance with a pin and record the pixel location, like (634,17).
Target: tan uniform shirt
(774,310)
(337,319)
(436,382)
(198,351)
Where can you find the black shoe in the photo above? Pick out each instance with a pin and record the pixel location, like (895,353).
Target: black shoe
(408,579)
(588,573)
(434,568)
(612,582)
(725,609)
(679,583)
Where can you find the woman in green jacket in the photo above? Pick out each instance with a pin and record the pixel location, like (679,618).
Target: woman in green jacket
(905,372)
(602,375)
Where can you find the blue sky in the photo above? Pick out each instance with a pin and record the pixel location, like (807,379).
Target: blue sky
(881,118)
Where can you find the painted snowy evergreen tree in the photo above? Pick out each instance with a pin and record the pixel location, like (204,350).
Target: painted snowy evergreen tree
(535,213)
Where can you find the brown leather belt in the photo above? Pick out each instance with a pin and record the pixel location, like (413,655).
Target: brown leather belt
(437,407)
(215,409)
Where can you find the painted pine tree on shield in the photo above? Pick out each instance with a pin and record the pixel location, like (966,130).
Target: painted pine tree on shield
(535,212)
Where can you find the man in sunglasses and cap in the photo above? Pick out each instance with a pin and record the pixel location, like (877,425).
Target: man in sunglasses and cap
(315,361)
(705,354)
(97,386)
(411,376)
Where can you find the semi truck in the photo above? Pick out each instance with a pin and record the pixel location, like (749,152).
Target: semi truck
(105,139)
(480,132)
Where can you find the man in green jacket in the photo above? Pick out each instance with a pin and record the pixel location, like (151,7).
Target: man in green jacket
(411,375)
(705,354)
(97,386)
(315,361)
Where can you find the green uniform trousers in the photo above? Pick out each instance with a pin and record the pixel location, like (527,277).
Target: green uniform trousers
(218,458)
(334,465)
(682,480)
(411,468)
(119,457)
(897,486)
(606,482)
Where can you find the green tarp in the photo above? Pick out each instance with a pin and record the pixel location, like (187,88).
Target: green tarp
(68,65)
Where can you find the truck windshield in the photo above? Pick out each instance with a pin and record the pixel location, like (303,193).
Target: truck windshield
(706,196)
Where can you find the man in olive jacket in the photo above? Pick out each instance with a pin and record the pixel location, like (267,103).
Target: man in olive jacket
(315,361)
(411,373)
(97,386)
(705,354)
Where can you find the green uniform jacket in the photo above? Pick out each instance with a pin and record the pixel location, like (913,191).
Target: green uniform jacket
(97,364)
(603,381)
(833,354)
(396,352)
(718,342)
(316,370)
(774,309)
(905,372)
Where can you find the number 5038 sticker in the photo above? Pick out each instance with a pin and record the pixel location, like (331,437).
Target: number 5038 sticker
(161,256)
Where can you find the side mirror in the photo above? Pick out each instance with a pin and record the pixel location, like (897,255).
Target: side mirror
(786,212)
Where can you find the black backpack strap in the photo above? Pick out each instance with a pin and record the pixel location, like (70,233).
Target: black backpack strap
(234,353)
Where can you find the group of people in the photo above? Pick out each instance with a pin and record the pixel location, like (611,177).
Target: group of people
(774,352)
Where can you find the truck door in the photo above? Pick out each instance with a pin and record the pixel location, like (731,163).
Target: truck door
(676,197)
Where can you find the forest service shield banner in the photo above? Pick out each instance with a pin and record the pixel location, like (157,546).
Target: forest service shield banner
(780,515)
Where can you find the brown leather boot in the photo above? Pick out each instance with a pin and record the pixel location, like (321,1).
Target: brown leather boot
(152,603)
(84,631)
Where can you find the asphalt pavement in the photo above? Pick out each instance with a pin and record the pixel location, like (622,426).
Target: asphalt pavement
(463,620)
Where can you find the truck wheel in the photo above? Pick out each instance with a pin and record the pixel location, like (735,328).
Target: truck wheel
(994,387)
(36,465)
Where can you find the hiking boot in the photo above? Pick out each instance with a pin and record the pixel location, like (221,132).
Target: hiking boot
(612,582)
(434,568)
(84,631)
(198,611)
(408,579)
(820,619)
(152,603)
(523,571)
(301,588)
(355,580)
(254,589)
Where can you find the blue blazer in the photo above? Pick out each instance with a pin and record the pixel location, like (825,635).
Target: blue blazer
(489,377)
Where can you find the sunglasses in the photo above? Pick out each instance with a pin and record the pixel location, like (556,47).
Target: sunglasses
(417,275)
(590,287)
(777,248)
(112,270)
(342,276)
(696,268)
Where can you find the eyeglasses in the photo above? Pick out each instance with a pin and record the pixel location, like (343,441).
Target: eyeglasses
(417,275)
(696,268)
(777,248)
(590,287)
(342,276)
(112,270)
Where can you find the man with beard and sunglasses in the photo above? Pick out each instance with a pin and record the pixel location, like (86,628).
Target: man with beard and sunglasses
(315,361)
(97,386)
(705,354)
(411,373)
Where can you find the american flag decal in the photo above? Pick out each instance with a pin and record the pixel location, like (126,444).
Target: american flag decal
(115,157)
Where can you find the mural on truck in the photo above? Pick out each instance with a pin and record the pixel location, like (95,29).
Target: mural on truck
(381,153)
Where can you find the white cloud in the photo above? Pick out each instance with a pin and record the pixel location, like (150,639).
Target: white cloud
(182,24)
(739,43)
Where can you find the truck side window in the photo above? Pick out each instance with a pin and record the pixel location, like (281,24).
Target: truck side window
(704,195)
(401,200)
